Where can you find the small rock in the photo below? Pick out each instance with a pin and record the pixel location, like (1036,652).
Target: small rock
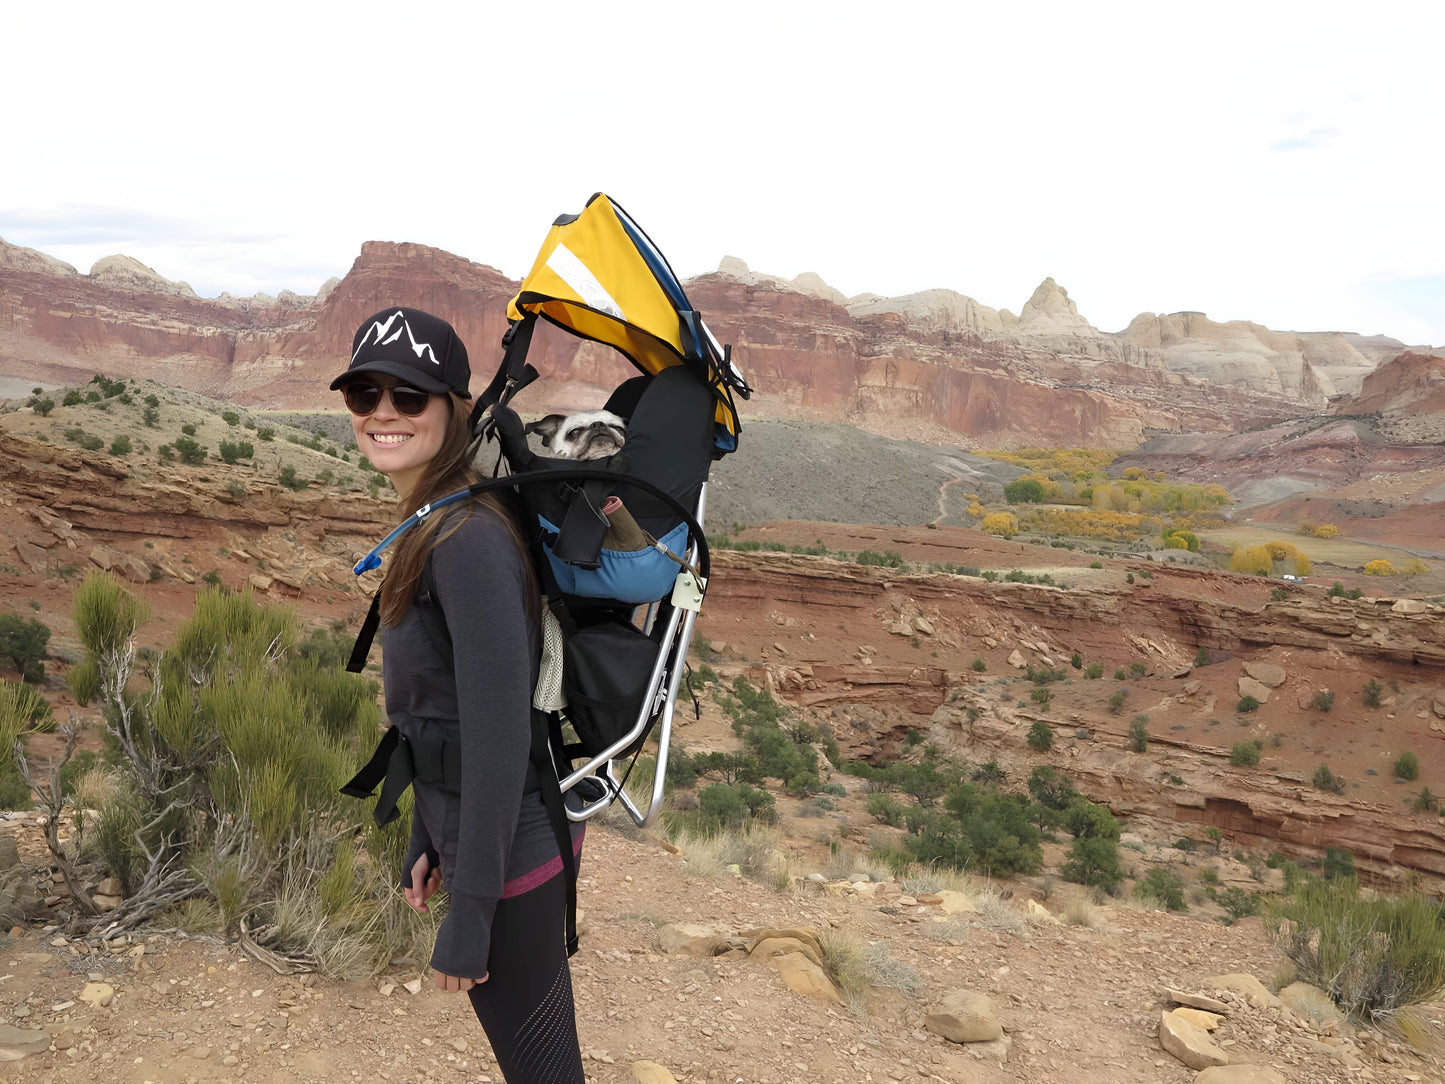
(459,1045)
(964,1016)
(412,987)
(686,939)
(99,994)
(111,886)
(1239,1074)
(649,1072)
(1199,1018)
(1266,673)
(1248,985)
(1198,1001)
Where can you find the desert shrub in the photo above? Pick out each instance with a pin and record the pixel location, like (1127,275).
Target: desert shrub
(886,559)
(23,642)
(290,480)
(1372,691)
(1116,702)
(1163,887)
(73,396)
(1139,734)
(1373,955)
(1247,704)
(978,828)
(43,407)
(83,680)
(227,786)
(1121,674)
(1043,676)
(1324,779)
(189,450)
(1279,594)
(1337,863)
(230,417)
(1237,903)
(1094,671)
(724,807)
(786,755)
(1425,802)
(1326,530)
(1137,670)
(1323,700)
(1041,736)
(1379,567)
(120,446)
(1077,661)
(1245,754)
(1202,657)
(886,809)
(265,434)
(232,450)
(1041,696)
(979,665)
(1407,767)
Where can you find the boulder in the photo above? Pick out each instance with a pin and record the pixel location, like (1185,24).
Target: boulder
(964,1016)
(1257,689)
(1410,606)
(1189,1043)
(99,994)
(16,1043)
(1266,673)
(949,901)
(684,939)
(1037,912)
(1199,1018)
(1257,993)
(1310,1003)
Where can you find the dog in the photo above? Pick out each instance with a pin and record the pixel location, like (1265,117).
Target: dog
(588,434)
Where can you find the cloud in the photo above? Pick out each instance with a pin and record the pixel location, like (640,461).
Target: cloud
(1312,140)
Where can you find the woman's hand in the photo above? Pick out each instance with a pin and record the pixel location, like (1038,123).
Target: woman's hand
(425,882)
(452,985)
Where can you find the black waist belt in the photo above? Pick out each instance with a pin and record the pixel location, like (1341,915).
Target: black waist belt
(398,761)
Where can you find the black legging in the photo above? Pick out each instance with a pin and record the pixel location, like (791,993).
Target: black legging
(526,1003)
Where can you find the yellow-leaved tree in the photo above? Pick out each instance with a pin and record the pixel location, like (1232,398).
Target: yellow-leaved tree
(1379,567)
(1002,524)
(1301,565)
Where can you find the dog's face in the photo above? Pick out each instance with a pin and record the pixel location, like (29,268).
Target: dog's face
(588,434)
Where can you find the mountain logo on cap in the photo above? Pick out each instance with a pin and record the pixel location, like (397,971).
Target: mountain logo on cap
(384,334)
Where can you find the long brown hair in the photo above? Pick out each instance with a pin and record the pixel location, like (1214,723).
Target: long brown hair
(448,471)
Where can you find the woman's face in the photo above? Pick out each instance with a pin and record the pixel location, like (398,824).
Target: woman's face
(398,445)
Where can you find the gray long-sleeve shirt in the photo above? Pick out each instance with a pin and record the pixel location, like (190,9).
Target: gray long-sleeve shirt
(492,828)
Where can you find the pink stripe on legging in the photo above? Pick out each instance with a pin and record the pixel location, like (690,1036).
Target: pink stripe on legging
(543,873)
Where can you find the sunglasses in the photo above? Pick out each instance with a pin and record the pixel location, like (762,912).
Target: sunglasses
(363,399)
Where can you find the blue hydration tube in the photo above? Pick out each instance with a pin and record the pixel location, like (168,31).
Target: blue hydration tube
(373,559)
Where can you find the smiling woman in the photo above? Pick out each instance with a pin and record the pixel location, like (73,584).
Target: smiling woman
(459,702)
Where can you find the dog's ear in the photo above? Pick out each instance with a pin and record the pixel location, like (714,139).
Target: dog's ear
(547,427)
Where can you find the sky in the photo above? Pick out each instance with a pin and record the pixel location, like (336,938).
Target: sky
(1271,161)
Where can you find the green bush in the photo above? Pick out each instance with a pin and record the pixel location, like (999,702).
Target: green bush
(1425,802)
(189,451)
(1116,702)
(1324,779)
(1139,734)
(1323,700)
(1246,704)
(23,641)
(1163,887)
(1245,754)
(289,479)
(888,559)
(230,417)
(1372,691)
(1041,737)
(265,435)
(979,665)
(1374,956)
(43,407)
(120,446)
(886,809)
(1201,657)
(978,828)
(1094,671)
(1024,491)
(1042,696)
(232,450)
(1407,767)
(1337,863)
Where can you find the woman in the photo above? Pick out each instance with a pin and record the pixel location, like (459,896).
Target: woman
(478,824)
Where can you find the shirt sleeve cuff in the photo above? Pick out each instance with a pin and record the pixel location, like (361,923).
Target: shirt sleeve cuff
(464,940)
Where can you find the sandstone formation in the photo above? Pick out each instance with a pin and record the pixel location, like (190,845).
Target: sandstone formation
(1182,785)
(936,361)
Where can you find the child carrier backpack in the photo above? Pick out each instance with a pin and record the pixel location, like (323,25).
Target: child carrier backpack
(617,543)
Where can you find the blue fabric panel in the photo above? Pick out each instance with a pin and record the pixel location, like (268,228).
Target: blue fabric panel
(639,577)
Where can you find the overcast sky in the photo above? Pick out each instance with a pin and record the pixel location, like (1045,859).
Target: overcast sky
(1278,162)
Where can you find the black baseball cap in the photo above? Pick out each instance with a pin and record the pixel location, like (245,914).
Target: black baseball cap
(411,345)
